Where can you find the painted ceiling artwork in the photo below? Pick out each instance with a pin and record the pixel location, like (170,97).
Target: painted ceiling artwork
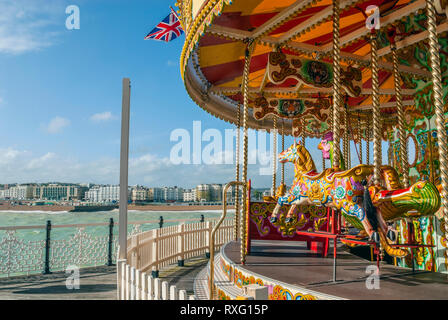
(290,72)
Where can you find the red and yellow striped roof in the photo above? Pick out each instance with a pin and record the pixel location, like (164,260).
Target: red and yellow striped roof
(301,28)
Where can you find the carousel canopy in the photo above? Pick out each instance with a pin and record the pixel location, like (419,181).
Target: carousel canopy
(291,73)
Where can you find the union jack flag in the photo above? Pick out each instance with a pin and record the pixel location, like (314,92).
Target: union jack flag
(167,30)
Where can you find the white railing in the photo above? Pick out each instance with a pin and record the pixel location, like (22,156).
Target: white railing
(152,250)
(86,245)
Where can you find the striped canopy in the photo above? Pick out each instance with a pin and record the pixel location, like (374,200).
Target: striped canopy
(291,63)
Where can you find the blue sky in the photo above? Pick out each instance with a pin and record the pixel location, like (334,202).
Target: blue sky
(60,96)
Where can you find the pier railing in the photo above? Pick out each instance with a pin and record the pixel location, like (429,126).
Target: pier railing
(150,251)
(47,251)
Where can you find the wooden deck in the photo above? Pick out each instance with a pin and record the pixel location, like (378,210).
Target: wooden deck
(294,264)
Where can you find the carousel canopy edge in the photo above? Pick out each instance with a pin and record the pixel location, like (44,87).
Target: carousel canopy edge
(213,54)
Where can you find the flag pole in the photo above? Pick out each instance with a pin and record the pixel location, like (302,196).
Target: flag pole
(180,21)
(124,158)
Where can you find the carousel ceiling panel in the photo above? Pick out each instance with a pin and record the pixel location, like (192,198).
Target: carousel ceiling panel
(305,33)
(300,18)
(248,15)
(226,72)
(212,40)
(236,20)
(364,50)
(251,7)
(355,46)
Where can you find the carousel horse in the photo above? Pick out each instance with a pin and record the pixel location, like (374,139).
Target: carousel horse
(364,208)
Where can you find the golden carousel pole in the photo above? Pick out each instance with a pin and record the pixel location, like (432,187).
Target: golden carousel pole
(245,85)
(438,104)
(337,97)
(337,100)
(237,175)
(377,153)
(360,138)
(274,157)
(303,133)
(368,140)
(347,155)
(283,149)
(401,121)
(389,152)
(345,140)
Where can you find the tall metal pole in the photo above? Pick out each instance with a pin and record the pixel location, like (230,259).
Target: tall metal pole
(377,153)
(368,139)
(303,133)
(245,86)
(124,158)
(237,174)
(274,157)
(401,120)
(360,139)
(283,149)
(442,138)
(337,97)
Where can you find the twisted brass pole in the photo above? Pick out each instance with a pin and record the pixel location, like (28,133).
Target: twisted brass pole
(438,104)
(368,139)
(323,162)
(346,141)
(303,133)
(377,155)
(283,149)
(237,174)
(336,85)
(248,54)
(360,139)
(401,123)
(349,155)
(274,156)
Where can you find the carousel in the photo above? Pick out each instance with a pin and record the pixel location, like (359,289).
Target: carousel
(358,75)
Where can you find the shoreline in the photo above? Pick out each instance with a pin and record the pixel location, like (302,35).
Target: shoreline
(61,208)
(178,207)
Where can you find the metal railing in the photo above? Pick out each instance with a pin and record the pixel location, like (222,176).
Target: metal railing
(22,256)
(215,230)
(150,251)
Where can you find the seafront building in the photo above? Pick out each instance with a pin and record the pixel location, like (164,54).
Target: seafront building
(190,195)
(139,194)
(203,193)
(58,192)
(212,193)
(156,195)
(21,192)
(172,194)
(107,193)
(53,191)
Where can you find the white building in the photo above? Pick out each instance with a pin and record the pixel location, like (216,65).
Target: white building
(17,193)
(190,195)
(139,194)
(110,193)
(156,194)
(173,194)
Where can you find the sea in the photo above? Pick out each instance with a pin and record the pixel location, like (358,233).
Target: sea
(40,218)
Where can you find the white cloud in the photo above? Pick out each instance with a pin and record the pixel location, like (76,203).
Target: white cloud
(171,63)
(57,124)
(23,166)
(26,25)
(40,162)
(103,116)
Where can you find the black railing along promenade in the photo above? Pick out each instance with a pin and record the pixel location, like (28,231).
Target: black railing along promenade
(19,256)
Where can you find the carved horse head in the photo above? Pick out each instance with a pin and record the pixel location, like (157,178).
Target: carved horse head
(298,155)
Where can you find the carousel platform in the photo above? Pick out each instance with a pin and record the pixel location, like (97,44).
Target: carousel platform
(290,271)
